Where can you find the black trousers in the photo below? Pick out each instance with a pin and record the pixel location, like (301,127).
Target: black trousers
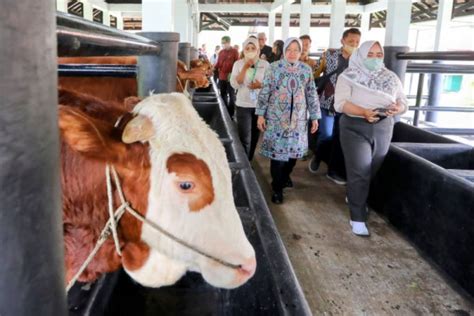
(248,131)
(228,95)
(280,171)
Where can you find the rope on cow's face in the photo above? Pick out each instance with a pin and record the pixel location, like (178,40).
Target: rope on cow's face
(111,227)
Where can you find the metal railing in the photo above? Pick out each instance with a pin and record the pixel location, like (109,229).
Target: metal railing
(438,68)
(79,37)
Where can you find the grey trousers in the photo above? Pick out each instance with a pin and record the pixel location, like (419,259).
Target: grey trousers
(365,146)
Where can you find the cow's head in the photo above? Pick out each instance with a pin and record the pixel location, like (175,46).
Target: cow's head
(190,196)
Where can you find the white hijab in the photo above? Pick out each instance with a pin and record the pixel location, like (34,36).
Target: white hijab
(288,43)
(381,80)
(253,41)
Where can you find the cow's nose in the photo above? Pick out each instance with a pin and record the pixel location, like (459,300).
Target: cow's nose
(248,267)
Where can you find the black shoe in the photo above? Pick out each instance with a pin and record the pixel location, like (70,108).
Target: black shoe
(288,184)
(313,165)
(277,198)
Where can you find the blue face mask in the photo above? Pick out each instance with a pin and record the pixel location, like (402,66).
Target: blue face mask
(373,64)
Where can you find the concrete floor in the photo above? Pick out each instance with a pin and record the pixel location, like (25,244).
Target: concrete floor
(342,274)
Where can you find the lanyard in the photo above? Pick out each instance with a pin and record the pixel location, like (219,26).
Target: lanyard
(254,71)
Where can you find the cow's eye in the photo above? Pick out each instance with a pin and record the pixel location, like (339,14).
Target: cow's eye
(186,185)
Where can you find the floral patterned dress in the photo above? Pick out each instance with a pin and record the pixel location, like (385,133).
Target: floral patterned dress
(287,95)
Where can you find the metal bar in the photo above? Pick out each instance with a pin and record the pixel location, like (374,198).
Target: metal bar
(78,23)
(456,55)
(73,42)
(412,96)
(419,94)
(440,68)
(93,70)
(442,109)
(450,131)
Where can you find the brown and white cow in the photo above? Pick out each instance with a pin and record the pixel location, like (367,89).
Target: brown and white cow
(173,171)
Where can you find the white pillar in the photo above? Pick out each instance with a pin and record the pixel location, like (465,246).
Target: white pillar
(285,20)
(365,23)
(158,15)
(305,17)
(61,5)
(119,21)
(88,11)
(106,17)
(337,22)
(271,27)
(445,8)
(398,22)
(181,19)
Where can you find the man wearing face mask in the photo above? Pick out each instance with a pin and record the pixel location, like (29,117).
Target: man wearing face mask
(225,61)
(326,146)
(247,76)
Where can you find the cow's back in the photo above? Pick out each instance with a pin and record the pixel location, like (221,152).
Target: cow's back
(105,88)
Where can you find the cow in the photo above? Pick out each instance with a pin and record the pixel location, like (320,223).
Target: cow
(173,171)
(118,89)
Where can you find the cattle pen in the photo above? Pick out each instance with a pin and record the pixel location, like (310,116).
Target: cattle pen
(418,261)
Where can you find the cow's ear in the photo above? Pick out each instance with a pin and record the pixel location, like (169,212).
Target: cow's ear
(130,103)
(139,129)
(89,135)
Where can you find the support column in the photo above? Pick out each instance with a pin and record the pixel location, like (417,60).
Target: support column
(106,17)
(158,15)
(119,21)
(305,17)
(32,264)
(61,5)
(338,19)
(396,35)
(181,19)
(87,10)
(271,27)
(365,24)
(445,8)
(285,21)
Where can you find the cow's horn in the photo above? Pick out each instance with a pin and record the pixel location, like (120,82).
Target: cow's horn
(140,128)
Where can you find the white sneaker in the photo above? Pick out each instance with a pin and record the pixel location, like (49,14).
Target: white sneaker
(347,200)
(359,228)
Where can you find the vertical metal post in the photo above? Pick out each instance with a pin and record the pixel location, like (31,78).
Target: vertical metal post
(157,74)
(419,96)
(434,94)
(184,51)
(194,54)
(32,264)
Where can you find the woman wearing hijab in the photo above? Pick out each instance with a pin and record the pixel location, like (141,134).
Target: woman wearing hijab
(288,93)
(246,78)
(368,95)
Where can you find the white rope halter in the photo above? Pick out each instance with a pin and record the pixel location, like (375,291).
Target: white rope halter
(111,227)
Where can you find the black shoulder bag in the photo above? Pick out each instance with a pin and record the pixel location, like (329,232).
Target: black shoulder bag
(322,81)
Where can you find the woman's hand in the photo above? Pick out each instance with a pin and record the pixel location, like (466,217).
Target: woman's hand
(255,85)
(394,109)
(261,125)
(371,116)
(249,63)
(314,126)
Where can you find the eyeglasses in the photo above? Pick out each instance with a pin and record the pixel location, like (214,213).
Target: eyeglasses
(293,51)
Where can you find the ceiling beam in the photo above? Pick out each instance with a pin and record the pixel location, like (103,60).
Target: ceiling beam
(277,4)
(125,7)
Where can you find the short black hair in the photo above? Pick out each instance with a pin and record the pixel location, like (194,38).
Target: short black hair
(306,36)
(352,30)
